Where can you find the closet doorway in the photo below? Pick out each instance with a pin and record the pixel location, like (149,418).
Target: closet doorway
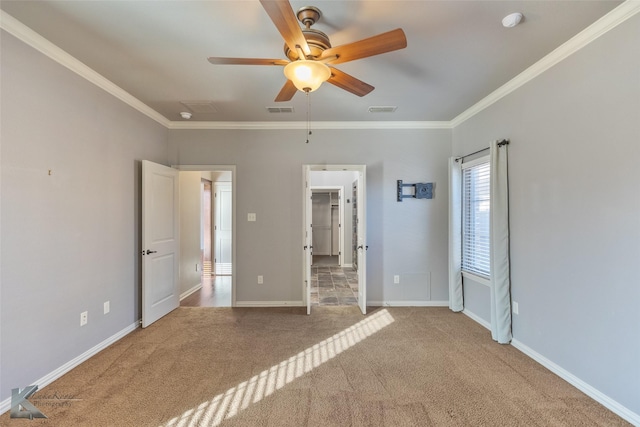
(327,217)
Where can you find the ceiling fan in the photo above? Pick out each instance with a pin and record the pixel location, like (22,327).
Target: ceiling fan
(311,58)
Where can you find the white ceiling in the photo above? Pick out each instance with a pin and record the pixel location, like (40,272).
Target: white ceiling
(457,53)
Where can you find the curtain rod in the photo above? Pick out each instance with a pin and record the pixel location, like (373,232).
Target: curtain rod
(500,144)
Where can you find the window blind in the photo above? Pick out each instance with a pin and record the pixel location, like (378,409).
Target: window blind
(476,206)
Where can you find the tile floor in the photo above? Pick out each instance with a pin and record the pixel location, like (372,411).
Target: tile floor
(333,285)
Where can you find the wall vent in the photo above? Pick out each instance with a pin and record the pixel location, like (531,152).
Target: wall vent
(200,106)
(280,109)
(384,109)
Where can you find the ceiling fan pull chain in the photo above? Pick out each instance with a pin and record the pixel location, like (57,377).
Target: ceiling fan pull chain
(308,116)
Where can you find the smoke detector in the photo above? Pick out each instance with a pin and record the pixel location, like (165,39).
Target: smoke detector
(185,115)
(512,20)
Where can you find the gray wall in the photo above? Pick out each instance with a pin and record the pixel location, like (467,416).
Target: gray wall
(575,211)
(69,240)
(190,211)
(408,238)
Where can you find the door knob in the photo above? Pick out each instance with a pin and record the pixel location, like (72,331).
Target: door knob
(151,252)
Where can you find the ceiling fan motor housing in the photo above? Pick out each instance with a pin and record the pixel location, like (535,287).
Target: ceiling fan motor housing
(317,41)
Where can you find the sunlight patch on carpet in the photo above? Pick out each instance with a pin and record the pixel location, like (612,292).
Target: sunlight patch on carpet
(262,385)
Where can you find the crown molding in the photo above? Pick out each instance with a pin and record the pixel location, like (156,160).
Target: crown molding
(314,125)
(44,46)
(609,21)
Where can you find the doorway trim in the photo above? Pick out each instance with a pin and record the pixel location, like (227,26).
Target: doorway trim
(361,170)
(232,169)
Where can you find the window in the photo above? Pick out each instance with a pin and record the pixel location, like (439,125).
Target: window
(475,217)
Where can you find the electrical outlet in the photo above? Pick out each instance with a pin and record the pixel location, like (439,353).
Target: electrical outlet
(107,307)
(251,217)
(396,279)
(260,280)
(84,318)
(516,309)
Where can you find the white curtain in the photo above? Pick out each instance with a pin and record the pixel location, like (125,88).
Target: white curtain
(455,235)
(499,254)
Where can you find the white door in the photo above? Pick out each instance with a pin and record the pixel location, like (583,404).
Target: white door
(362,240)
(160,241)
(223,228)
(308,236)
(354,226)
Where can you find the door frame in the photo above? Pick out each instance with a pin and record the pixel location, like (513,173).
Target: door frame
(340,190)
(232,169)
(362,229)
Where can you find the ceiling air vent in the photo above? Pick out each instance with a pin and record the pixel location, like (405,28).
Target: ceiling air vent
(200,107)
(280,109)
(388,109)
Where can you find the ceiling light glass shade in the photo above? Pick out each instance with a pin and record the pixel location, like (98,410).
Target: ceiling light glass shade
(307,75)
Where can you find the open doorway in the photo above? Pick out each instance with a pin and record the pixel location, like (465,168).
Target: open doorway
(327,217)
(330,277)
(207,236)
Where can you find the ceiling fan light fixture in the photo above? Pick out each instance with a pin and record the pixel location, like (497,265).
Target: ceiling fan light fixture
(307,75)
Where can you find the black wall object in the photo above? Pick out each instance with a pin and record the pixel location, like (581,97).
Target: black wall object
(421,190)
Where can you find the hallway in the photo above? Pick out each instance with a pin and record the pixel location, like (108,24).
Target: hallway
(333,285)
(215,292)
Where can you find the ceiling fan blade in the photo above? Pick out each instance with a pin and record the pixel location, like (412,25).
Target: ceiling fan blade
(382,43)
(246,61)
(285,20)
(287,92)
(349,83)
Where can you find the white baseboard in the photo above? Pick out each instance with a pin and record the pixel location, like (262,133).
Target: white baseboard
(408,303)
(347,265)
(477,318)
(5,405)
(270,304)
(590,391)
(186,293)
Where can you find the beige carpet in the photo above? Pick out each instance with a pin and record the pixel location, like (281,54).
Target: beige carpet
(279,367)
